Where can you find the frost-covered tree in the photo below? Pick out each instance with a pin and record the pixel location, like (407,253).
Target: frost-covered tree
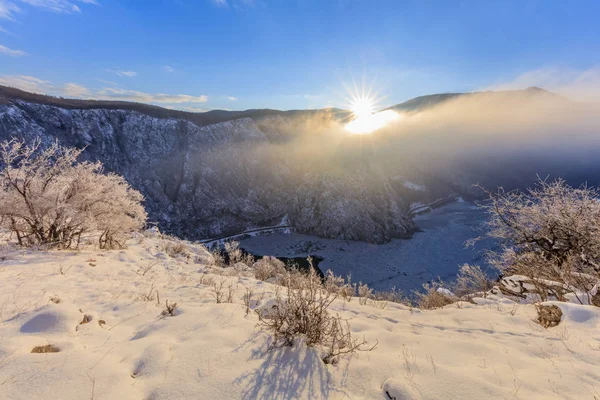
(549,233)
(48,197)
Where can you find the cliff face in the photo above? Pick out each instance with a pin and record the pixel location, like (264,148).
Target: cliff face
(213,180)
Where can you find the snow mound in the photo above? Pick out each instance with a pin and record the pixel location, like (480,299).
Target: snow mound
(51,320)
(577,313)
(395,389)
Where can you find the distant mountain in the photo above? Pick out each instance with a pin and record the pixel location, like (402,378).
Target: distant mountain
(9,95)
(424,102)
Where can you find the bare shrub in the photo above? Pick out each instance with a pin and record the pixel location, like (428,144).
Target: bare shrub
(47,197)
(222,293)
(151,295)
(206,280)
(392,296)
(340,341)
(304,313)
(471,280)
(217,258)
(49,348)
(169,309)
(248,259)
(365,293)
(248,299)
(340,286)
(234,252)
(382,298)
(142,271)
(433,297)
(176,249)
(550,234)
(268,267)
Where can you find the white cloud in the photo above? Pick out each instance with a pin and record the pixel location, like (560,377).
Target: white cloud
(32,84)
(221,3)
(59,6)
(168,68)
(11,52)
(8,9)
(74,90)
(110,83)
(28,83)
(122,73)
(232,98)
(6,31)
(134,95)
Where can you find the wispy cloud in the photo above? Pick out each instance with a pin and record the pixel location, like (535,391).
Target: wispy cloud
(8,9)
(107,82)
(221,3)
(32,84)
(168,68)
(120,72)
(10,52)
(134,95)
(28,83)
(2,30)
(231,98)
(75,90)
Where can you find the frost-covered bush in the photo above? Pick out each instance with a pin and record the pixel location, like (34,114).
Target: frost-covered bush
(304,313)
(550,234)
(268,267)
(175,249)
(365,293)
(234,252)
(218,260)
(471,280)
(393,296)
(434,296)
(340,286)
(48,197)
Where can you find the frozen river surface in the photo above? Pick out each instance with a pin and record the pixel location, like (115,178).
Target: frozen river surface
(406,264)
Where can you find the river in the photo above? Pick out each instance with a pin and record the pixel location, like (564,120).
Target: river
(436,251)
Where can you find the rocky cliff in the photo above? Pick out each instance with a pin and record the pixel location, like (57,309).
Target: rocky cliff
(216,179)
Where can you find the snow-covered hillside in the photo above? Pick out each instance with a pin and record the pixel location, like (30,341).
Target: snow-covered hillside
(126,349)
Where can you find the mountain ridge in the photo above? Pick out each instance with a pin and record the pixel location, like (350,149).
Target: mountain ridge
(11,94)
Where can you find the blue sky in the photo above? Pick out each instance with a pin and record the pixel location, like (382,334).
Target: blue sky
(285,54)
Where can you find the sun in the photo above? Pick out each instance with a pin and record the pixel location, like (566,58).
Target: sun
(363,102)
(362,106)
(366,119)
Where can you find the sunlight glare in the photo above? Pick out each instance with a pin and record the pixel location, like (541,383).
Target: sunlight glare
(362,107)
(363,103)
(372,122)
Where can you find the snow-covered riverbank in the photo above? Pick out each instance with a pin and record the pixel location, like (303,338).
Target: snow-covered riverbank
(437,251)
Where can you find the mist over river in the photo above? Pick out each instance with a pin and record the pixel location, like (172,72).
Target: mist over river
(437,251)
